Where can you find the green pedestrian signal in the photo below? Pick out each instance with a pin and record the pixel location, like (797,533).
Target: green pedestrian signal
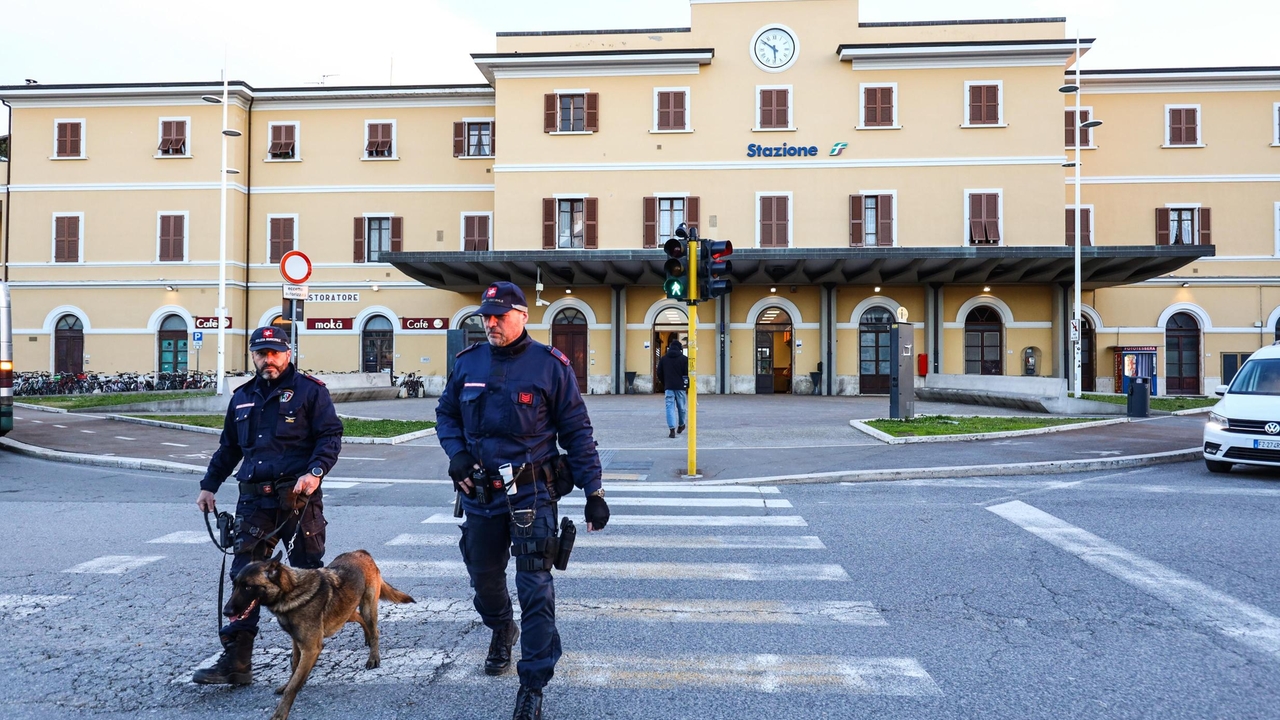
(676,284)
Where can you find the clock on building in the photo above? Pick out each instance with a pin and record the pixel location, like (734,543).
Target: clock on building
(774,48)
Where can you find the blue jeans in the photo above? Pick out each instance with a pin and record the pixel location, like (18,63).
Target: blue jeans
(677,400)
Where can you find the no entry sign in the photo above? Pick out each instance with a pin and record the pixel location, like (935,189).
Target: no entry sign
(295,267)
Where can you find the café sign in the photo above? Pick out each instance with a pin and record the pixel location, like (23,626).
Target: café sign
(407,323)
(211,323)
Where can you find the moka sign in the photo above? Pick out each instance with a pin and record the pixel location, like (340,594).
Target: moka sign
(330,323)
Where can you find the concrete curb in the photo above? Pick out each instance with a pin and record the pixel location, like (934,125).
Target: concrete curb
(891,440)
(1050,467)
(39,408)
(395,440)
(1194,411)
(109,461)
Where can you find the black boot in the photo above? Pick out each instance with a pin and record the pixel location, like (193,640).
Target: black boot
(499,658)
(234,666)
(671,432)
(528,704)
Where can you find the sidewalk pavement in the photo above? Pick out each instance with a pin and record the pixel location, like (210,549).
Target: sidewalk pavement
(784,438)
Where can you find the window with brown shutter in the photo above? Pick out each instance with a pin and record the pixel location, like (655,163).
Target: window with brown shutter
(671,212)
(1183,126)
(173,137)
(775,110)
(984,218)
(649,218)
(774,220)
(1183,226)
(984,104)
(358,244)
(569,224)
(68,140)
(66,238)
(1069,129)
(1086,233)
(379,141)
(590,237)
(475,233)
(479,139)
(280,240)
(856,205)
(671,110)
(871,220)
(692,206)
(573,113)
(397,234)
(877,107)
(172,238)
(284,139)
(548,223)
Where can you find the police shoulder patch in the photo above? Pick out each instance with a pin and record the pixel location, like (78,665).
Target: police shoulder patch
(555,352)
(313,379)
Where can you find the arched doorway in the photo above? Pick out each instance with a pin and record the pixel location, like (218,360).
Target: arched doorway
(68,345)
(172,339)
(1182,355)
(670,324)
(874,354)
(1088,351)
(377,345)
(569,335)
(280,322)
(473,330)
(774,335)
(983,342)
(1277,329)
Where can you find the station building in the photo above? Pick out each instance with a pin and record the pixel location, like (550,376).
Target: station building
(860,169)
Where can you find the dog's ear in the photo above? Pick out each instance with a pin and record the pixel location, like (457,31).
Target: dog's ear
(278,556)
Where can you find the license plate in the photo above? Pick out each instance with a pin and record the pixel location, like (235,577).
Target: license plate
(1266,444)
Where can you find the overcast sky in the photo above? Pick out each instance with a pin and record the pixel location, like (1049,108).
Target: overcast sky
(288,42)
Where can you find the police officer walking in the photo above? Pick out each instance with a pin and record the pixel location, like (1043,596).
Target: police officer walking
(508,402)
(283,424)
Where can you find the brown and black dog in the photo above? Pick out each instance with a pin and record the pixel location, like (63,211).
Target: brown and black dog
(312,605)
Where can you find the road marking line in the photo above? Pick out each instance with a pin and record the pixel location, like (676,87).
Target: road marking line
(1234,618)
(121,437)
(15,417)
(747,572)
(182,537)
(64,427)
(702,542)
(701,520)
(175,444)
(621,476)
(16,607)
(339,484)
(674,487)
(428,539)
(748,612)
(38,422)
(578,501)
(91,432)
(113,564)
(354,457)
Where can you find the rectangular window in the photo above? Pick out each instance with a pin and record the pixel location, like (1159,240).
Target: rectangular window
(773,108)
(173,138)
(1183,226)
(670,215)
(473,138)
(984,103)
(380,139)
(672,110)
(571,224)
(577,111)
(984,218)
(284,141)
(66,238)
(379,237)
(775,221)
(877,106)
(1231,363)
(173,238)
(475,233)
(282,234)
(1182,126)
(1069,128)
(871,220)
(69,139)
(1086,227)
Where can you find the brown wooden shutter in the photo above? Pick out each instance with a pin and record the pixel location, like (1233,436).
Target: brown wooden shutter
(469,233)
(975,104)
(766,108)
(397,234)
(856,230)
(358,245)
(1069,128)
(1175,126)
(589,238)
(166,136)
(781,109)
(678,121)
(459,139)
(991,103)
(493,138)
(886,106)
(73,236)
(73,144)
(977,229)
(1205,237)
(781,219)
(60,149)
(548,223)
(871,107)
(179,233)
(992,217)
(59,239)
(179,144)
(692,209)
(1084,132)
(482,233)
(593,112)
(884,218)
(281,240)
(1071,227)
(664,111)
(549,113)
(1086,235)
(766,222)
(1190,129)
(650,216)
(1162,226)
(277,140)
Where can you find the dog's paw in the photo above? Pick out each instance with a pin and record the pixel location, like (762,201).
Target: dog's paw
(374,661)
(280,690)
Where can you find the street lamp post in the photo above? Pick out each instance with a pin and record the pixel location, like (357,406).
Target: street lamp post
(222,232)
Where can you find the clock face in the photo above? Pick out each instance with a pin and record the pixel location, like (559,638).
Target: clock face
(774,48)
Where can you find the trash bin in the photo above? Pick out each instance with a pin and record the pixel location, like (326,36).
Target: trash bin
(816,377)
(1140,397)
(631,383)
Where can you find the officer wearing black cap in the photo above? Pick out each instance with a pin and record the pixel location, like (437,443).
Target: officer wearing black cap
(283,424)
(509,401)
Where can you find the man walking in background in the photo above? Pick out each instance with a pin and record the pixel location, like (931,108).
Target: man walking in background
(673,369)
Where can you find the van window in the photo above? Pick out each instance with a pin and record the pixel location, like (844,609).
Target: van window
(1258,377)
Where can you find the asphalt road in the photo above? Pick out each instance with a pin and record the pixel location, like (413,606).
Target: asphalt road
(1147,593)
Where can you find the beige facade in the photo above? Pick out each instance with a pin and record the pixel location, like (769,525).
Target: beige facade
(930,161)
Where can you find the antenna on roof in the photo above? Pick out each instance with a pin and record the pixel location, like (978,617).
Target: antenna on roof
(32,82)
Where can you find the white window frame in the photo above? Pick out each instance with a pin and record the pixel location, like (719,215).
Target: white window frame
(791,110)
(1195,218)
(1275,124)
(999,209)
(791,213)
(862,107)
(297,141)
(1093,222)
(1199,125)
(84,139)
(53,235)
(571,196)
(387,215)
(160,136)
(296,233)
(964,105)
(364,141)
(462,227)
(186,236)
(894,194)
(572,91)
(659,197)
(688,110)
(1092,145)
(466,144)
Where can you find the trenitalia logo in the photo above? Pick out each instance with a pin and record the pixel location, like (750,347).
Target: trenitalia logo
(838,148)
(783,150)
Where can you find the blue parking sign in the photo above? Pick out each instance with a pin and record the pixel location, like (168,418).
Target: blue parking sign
(197,336)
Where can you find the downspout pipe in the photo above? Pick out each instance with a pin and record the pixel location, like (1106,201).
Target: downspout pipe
(248,207)
(8,197)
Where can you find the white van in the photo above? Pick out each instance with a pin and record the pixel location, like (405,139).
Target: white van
(1244,427)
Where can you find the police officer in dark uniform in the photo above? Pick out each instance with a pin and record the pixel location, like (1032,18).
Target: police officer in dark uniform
(508,401)
(283,424)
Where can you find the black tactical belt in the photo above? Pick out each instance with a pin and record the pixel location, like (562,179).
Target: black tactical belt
(266,489)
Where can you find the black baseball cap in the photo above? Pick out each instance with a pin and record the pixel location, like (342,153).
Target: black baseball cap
(269,338)
(501,298)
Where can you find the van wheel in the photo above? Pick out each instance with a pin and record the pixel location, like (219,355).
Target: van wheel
(1217,466)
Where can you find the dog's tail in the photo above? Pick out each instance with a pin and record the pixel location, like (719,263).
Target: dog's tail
(389,593)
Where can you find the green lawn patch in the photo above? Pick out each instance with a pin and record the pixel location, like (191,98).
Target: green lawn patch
(946,425)
(1167,404)
(351,428)
(81,402)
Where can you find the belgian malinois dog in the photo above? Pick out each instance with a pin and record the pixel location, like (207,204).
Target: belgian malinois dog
(312,605)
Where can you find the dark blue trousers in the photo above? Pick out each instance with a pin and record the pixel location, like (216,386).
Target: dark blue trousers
(486,549)
(258,516)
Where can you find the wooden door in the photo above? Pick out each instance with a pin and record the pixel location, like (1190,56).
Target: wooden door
(1182,355)
(68,345)
(874,353)
(569,335)
(1088,351)
(983,345)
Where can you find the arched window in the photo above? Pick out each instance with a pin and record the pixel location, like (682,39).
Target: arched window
(983,342)
(172,341)
(874,353)
(569,334)
(473,328)
(68,345)
(377,345)
(1182,355)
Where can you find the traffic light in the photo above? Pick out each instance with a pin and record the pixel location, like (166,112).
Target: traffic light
(677,283)
(714,268)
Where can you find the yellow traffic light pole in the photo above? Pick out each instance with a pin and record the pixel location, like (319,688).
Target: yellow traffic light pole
(692,256)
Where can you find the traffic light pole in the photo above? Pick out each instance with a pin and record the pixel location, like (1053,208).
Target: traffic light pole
(692,254)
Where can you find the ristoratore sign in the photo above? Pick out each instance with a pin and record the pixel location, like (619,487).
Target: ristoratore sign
(424,323)
(330,323)
(211,323)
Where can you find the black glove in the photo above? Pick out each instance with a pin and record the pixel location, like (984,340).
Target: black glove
(597,513)
(460,467)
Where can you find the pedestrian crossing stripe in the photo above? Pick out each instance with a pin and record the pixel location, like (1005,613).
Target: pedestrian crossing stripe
(427,539)
(672,487)
(746,572)
(113,564)
(701,520)
(615,501)
(16,607)
(669,542)
(182,537)
(738,612)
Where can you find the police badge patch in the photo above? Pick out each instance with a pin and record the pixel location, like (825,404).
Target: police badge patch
(286,396)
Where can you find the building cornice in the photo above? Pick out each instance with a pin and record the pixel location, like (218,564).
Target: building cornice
(997,53)
(1165,80)
(593,62)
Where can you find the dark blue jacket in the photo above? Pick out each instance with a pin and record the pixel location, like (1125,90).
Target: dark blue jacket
(511,405)
(285,428)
